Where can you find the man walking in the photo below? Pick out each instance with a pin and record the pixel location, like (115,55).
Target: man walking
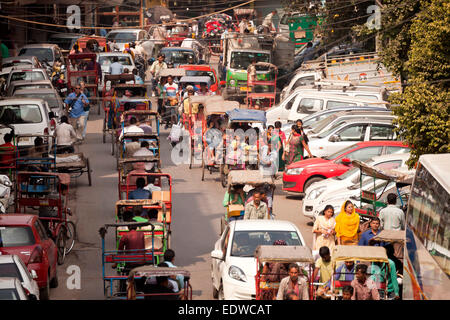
(76,101)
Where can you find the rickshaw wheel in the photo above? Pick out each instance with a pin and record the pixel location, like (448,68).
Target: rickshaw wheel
(192,157)
(203,166)
(71,234)
(104,136)
(220,294)
(223,179)
(60,242)
(89,172)
(223,223)
(112,143)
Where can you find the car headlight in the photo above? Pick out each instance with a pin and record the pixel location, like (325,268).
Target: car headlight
(316,193)
(294,171)
(232,82)
(237,274)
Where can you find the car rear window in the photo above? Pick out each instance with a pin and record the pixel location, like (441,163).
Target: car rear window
(41,53)
(48,97)
(10,270)
(17,63)
(198,73)
(16,236)
(32,86)
(27,75)
(20,114)
(9,294)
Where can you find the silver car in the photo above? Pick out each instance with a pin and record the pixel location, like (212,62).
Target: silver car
(51,96)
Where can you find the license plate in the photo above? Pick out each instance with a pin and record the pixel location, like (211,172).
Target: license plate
(245,89)
(63,90)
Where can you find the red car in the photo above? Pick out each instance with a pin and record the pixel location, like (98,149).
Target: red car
(203,70)
(298,176)
(25,236)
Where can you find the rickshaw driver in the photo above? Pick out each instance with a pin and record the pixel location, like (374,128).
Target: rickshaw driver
(363,287)
(256,209)
(236,196)
(293,284)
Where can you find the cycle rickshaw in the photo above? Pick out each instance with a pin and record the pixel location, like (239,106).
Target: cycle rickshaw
(137,288)
(263,89)
(243,151)
(374,257)
(270,262)
(241,178)
(169,113)
(48,192)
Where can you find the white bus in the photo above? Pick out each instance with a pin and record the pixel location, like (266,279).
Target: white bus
(427,251)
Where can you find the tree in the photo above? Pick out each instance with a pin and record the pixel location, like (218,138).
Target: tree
(423,109)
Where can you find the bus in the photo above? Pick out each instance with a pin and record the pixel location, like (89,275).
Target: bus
(427,254)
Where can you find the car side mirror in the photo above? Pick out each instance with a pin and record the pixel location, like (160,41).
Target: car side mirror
(334,138)
(217,254)
(346,161)
(34,274)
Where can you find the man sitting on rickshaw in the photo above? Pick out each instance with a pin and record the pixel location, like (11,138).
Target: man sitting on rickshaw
(131,128)
(256,209)
(140,192)
(293,284)
(363,287)
(236,196)
(213,138)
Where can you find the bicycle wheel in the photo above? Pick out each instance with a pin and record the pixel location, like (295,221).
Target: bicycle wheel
(203,165)
(60,242)
(71,234)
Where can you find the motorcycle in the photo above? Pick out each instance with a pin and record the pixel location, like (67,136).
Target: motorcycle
(57,78)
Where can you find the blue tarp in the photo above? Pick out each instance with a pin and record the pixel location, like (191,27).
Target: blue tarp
(247,115)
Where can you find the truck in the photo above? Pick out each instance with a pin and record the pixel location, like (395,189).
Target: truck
(300,27)
(358,69)
(239,51)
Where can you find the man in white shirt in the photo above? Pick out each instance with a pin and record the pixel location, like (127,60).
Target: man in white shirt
(391,217)
(115,67)
(65,136)
(267,22)
(132,128)
(145,152)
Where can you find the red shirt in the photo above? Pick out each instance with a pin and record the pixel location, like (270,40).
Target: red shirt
(133,240)
(7,154)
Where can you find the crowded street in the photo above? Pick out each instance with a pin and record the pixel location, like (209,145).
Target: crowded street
(200,150)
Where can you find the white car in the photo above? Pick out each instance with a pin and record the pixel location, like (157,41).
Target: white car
(26,116)
(233,266)
(122,36)
(11,289)
(106,58)
(13,266)
(20,62)
(26,73)
(349,132)
(321,193)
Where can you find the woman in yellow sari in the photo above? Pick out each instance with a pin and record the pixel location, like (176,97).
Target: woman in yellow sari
(347,225)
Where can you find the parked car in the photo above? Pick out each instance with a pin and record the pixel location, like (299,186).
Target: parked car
(13,266)
(11,289)
(25,236)
(122,36)
(27,116)
(21,62)
(177,56)
(65,41)
(106,58)
(50,96)
(302,103)
(317,193)
(340,117)
(26,84)
(298,176)
(346,133)
(45,52)
(233,266)
(26,74)
(203,70)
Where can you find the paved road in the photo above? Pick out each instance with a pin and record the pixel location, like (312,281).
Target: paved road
(197,208)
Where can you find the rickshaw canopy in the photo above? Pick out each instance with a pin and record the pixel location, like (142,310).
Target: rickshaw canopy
(217,106)
(174,72)
(359,253)
(391,236)
(139,202)
(390,175)
(82,56)
(250,177)
(140,112)
(247,115)
(245,11)
(284,254)
(151,271)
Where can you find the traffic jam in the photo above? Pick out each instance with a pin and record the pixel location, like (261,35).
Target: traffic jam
(117,129)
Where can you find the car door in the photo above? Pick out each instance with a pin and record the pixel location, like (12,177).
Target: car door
(47,244)
(381,132)
(345,137)
(219,265)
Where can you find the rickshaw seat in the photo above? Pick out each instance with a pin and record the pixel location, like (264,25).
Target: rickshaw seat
(161,195)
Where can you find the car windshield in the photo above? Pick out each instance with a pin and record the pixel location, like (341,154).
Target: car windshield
(41,53)
(245,242)
(107,60)
(241,59)
(63,43)
(346,174)
(27,75)
(318,126)
(178,56)
(17,63)
(20,114)
(16,236)
(122,36)
(330,130)
(10,270)
(49,97)
(198,73)
(9,294)
(340,152)
(32,86)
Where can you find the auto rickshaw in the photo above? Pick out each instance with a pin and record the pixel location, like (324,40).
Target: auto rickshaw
(252,178)
(243,151)
(137,287)
(374,257)
(83,67)
(270,262)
